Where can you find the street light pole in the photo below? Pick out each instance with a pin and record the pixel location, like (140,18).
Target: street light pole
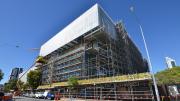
(147,53)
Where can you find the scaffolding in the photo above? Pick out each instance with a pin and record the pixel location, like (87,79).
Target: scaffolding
(113,92)
(97,59)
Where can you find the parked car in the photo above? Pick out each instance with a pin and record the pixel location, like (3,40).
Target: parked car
(32,95)
(45,94)
(48,95)
(39,95)
(26,94)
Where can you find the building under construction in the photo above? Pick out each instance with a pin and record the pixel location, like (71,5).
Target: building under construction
(101,55)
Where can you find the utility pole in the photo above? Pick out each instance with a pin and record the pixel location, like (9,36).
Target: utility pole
(147,53)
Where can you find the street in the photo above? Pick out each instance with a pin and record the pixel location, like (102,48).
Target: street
(29,99)
(63,99)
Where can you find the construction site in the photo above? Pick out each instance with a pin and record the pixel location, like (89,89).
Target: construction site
(104,59)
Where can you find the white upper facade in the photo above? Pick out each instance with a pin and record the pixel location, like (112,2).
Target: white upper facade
(92,18)
(170,62)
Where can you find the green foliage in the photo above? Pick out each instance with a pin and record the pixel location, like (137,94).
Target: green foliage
(25,86)
(41,59)
(6,87)
(72,82)
(33,78)
(1,75)
(11,85)
(168,76)
(20,84)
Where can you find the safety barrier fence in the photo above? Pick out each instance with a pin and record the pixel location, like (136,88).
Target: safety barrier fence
(124,97)
(109,95)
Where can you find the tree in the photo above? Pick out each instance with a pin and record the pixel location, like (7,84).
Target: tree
(6,87)
(40,59)
(25,86)
(33,79)
(72,82)
(11,85)
(168,76)
(20,85)
(1,75)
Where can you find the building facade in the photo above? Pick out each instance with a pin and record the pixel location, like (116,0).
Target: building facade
(93,47)
(170,63)
(15,73)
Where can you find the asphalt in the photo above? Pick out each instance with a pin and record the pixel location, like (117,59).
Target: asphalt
(18,98)
(62,99)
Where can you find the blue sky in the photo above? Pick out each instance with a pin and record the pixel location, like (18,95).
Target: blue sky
(30,23)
